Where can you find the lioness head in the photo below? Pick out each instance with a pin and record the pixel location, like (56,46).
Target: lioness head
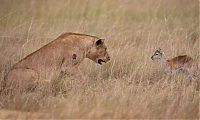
(98,53)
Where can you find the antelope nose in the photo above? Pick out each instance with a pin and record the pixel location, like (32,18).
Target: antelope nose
(152,57)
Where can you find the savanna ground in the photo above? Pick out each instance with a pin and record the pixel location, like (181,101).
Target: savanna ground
(130,85)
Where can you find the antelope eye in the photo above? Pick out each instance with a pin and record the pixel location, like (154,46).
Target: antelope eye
(156,53)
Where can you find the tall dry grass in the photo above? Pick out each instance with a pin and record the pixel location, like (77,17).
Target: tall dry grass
(130,85)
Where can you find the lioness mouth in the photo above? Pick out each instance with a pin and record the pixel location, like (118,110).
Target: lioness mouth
(100,61)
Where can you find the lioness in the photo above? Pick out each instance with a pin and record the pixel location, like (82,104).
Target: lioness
(63,54)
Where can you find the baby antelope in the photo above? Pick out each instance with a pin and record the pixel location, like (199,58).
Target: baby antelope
(182,63)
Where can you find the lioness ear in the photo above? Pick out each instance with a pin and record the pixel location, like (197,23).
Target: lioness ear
(99,42)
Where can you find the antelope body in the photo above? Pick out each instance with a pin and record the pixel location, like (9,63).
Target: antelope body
(183,63)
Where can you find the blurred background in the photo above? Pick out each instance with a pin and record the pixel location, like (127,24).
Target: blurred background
(130,85)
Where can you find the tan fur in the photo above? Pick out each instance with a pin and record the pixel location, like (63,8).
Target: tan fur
(180,61)
(62,55)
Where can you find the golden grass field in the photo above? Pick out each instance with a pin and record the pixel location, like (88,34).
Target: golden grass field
(131,85)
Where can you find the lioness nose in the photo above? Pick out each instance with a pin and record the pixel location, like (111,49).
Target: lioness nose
(108,57)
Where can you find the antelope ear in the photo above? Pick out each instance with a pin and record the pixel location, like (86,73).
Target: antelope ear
(159,49)
(99,42)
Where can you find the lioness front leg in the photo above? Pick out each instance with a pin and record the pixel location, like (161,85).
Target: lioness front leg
(79,77)
(75,75)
